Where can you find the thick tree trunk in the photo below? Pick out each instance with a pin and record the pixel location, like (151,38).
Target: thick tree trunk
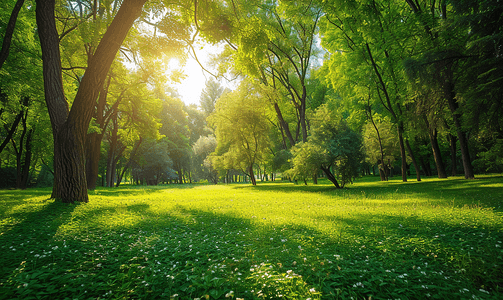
(414,162)
(70,127)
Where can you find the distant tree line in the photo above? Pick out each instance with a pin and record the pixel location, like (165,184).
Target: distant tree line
(327,88)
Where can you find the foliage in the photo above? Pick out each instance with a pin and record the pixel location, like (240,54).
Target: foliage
(154,163)
(210,95)
(242,129)
(202,149)
(332,146)
(388,139)
(379,240)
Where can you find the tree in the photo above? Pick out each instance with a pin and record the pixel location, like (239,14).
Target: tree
(210,95)
(9,31)
(332,148)
(276,43)
(203,165)
(242,129)
(70,125)
(154,162)
(175,127)
(380,144)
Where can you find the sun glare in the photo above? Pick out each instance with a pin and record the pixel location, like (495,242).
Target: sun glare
(194,79)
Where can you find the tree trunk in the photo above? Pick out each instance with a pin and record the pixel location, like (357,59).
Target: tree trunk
(70,127)
(402,152)
(414,162)
(25,170)
(130,161)
(432,133)
(330,176)
(437,155)
(93,139)
(454,164)
(302,115)
(284,125)
(252,175)
(456,115)
(381,150)
(9,31)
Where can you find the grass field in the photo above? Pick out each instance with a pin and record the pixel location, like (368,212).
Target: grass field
(439,239)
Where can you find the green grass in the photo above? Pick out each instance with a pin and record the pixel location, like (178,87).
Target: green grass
(441,239)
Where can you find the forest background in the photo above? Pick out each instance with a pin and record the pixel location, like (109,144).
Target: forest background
(326,88)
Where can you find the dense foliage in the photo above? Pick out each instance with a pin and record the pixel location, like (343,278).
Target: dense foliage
(417,82)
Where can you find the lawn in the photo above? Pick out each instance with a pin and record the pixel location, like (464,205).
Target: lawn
(440,239)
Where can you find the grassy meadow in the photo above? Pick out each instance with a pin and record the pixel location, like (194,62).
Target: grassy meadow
(439,239)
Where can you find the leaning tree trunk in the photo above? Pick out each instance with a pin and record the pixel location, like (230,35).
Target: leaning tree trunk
(252,175)
(330,176)
(414,162)
(9,32)
(70,127)
(437,155)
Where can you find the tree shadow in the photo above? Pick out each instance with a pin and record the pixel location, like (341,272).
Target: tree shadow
(28,228)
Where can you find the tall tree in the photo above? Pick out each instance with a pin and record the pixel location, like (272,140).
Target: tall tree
(242,130)
(70,125)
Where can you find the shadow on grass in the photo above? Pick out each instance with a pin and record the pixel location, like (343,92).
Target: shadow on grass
(186,243)
(134,190)
(30,227)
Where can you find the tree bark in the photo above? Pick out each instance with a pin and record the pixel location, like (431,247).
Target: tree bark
(25,169)
(330,176)
(9,31)
(70,127)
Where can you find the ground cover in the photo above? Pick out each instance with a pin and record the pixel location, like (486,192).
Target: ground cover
(440,239)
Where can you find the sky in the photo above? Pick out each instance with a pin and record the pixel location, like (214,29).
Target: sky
(190,88)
